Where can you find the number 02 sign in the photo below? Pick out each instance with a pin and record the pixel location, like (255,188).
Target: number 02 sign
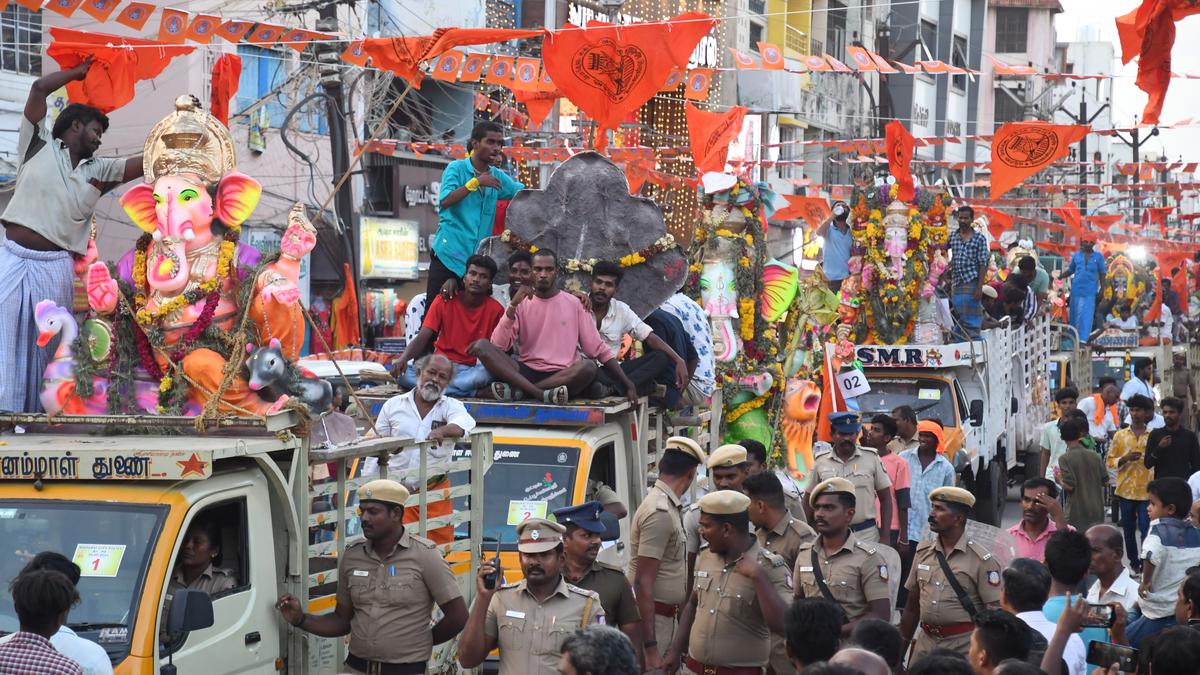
(853,383)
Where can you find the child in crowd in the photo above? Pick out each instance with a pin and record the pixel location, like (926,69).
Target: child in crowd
(1171,549)
(1082,475)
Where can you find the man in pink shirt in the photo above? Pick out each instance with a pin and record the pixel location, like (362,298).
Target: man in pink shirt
(550,329)
(1041,516)
(879,436)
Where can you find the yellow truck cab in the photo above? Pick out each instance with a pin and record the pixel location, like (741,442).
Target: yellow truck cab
(117,495)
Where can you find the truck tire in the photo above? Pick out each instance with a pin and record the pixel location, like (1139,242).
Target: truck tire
(989,488)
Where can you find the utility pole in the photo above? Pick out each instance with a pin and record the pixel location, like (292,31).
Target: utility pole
(1137,144)
(1083,118)
(330,70)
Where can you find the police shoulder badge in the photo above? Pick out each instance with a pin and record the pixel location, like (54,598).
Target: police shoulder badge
(883,572)
(994,578)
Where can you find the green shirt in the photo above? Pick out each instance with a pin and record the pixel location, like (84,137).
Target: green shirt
(1084,471)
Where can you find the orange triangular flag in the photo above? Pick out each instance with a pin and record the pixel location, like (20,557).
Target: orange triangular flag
(999,222)
(742,60)
(203,28)
(710,135)
(698,83)
(900,146)
(772,57)
(355,55)
(609,71)
(99,10)
(265,34)
(816,63)
(400,55)
(172,26)
(296,39)
(1103,221)
(676,78)
(1070,215)
(135,15)
(63,7)
(234,30)
(1021,149)
(814,210)
(537,103)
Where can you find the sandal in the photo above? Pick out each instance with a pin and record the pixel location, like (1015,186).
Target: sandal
(556,396)
(502,391)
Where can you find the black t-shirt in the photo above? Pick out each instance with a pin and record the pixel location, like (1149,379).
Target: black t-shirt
(1179,459)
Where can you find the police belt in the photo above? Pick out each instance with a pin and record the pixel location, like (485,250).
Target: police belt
(864,525)
(947,630)
(381,668)
(667,610)
(705,669)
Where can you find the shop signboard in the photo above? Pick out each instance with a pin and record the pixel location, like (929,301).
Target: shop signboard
(389,248)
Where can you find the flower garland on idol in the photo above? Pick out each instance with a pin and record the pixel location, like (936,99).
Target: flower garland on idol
(572,265)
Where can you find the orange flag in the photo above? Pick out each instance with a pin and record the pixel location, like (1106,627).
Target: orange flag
(265,34)
(110,81)
(1149,33)
(1158,215)
(1021,149)
(447,66)
(525,74)
(999,222)
(473,68)
(1070,215)
(1103,221)
(676,78)
(445,39)
(172,26)
(710,134)
(698,83)
(296,39)
(742,60)
(404,55)
(355,55)
(814,210)
(63,7)
(537,103)
(500,71)
(900,146)
(344,314)
(203,28)
(862,58)
(135,15)
(99,10)
(609,71)
(772,57)
(226,73)
(234,30)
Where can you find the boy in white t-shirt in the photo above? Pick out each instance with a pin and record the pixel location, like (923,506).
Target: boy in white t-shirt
(1171,549)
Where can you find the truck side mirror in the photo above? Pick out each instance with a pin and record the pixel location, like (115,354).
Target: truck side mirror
(975,412)
(191,610)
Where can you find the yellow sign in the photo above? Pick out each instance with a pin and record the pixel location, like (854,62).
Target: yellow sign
(389,248)
(519,510)
(98,560)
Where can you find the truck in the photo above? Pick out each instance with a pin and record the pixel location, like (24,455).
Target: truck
(117,495)
(991,396)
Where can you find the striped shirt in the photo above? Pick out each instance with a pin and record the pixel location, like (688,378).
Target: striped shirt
(32,653)
(967,256)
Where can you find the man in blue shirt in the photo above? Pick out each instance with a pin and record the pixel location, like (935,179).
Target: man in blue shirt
(835,258)
(467,207)
(1089,268)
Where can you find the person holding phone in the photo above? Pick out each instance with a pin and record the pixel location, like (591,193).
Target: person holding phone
(1172,450)
(835,256)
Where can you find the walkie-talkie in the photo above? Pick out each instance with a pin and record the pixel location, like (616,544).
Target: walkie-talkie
(490,579)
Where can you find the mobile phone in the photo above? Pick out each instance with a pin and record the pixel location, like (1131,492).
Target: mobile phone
(490,579)
(1104,654)
(1099,616)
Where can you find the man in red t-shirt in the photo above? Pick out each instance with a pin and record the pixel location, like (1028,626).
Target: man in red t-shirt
(470,315)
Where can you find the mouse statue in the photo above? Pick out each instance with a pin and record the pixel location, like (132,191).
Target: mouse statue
(271,375)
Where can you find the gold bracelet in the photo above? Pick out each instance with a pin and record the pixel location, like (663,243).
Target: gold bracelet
(472,185)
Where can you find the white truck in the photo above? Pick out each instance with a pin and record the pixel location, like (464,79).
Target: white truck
(117,494)
(991,396)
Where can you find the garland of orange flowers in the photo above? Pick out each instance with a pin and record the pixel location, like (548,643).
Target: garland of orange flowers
(571,265)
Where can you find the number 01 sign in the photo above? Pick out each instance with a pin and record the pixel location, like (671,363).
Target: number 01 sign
(853,383)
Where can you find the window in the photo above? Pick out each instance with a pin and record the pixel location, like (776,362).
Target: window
(756,35)
(20,41)
(929,32)
(263,72)
(1012,27)
(835,33)
(958,58)
(1007,108)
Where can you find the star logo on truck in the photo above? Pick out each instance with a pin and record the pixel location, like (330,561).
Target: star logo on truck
(192,465)
(933,357)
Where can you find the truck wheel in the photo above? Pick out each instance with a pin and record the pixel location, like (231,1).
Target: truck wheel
(988,487)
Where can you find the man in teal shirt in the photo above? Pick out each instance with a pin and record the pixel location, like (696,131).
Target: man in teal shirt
(467,206)
(1088,267)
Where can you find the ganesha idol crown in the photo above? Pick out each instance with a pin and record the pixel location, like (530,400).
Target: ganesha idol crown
(189,141)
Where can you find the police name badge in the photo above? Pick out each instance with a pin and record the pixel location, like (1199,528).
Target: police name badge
(361,573)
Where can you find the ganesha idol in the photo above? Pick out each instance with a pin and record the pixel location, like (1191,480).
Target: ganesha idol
(188,270)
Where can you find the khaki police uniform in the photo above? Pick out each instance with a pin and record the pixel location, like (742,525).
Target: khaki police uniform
(212,580)
(784,540)
(392,599)
(530,634)
(729,630)
(856,574)
(944,621)
(865,470)
(616,595)
(657,532)
(795,506)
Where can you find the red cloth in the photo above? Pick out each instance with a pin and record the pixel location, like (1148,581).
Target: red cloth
(501,214)
(1149,33)
(458,326)
(110,81)
(344,318)
(900,147)
(226,73)
(710,134)
(609,71)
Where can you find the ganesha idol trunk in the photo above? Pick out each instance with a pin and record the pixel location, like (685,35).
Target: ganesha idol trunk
(718,292)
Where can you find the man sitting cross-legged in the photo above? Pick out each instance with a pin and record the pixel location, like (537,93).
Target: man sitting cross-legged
(469,315)
(550,328)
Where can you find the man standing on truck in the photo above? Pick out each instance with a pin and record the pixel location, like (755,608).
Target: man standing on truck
(1089,268)
(386,589)
(968,266)
(835,254)
(860,466)
(615,320)
(837,565)
(657,564)
(452,325)
(581,544)
(530,620)
(48,224)
(952,579)
(550,328)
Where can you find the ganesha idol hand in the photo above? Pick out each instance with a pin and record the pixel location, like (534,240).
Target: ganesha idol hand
(282,291)
(102,289)
(83,262)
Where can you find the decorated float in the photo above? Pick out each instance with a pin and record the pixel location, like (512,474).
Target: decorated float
(190,320)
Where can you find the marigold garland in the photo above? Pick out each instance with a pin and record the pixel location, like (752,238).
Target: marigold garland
(661,245)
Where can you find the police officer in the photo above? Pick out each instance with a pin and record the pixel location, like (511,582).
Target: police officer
(837,565)
(862,467)
(727,468)
(944,604)
(756,462)
(529,620)
(780,533)
(586,524)
(657,564)
(737,600)
(385,592)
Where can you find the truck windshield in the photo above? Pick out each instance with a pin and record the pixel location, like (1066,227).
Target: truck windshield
(523,481)
(930,398)
(110,543)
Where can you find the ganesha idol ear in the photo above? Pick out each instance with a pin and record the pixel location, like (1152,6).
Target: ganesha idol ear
(237,195)
(138,203)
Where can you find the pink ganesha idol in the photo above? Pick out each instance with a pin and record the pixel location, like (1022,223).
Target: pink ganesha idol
(187,269)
